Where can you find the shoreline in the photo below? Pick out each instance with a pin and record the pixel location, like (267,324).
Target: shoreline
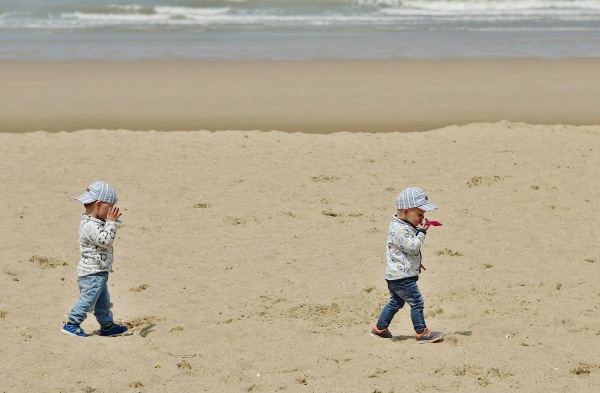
(310,96)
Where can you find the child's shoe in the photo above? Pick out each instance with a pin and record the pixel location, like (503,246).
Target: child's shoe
(427,336)
(383,333)
(113,331)
(74,330)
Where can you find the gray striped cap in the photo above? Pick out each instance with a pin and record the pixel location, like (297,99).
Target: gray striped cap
(414,197)
(98,191)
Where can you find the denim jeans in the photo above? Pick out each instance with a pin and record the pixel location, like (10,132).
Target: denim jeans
(403,291)
(93,296)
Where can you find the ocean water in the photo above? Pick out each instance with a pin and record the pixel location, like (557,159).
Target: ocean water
(297,29)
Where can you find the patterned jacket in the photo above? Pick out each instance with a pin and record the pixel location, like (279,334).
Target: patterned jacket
(95,243)
(403,250)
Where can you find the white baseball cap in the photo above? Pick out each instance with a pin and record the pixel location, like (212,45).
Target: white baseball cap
(98,191)
(414,197)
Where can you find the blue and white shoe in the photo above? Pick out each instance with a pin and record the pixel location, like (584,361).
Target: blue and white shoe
(74,330)
(113,331)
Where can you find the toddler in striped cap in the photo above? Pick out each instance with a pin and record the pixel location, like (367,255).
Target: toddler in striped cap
(97,232)
(405,237)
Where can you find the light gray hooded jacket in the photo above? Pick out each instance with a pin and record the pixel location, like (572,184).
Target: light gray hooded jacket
(95,243)
(403,250)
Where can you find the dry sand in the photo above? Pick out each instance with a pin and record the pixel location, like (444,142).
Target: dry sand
(301,96)
(254,261)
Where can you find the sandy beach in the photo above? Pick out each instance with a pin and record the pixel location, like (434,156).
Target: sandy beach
(252,260)
(296,96)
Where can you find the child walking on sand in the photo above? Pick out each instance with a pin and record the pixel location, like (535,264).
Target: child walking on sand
(97,231)
(406,235)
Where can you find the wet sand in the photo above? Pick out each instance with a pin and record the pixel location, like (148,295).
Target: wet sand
(296,96)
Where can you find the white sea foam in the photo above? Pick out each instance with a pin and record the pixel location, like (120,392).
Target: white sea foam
(395,14)
(483,5)
(126,7)
(175,17)
(191,12)
(113,18)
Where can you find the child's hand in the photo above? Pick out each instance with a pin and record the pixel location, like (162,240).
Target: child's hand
(113,214)
(424,225)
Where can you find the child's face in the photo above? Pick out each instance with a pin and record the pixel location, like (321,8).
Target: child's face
(414,215)
(102,210)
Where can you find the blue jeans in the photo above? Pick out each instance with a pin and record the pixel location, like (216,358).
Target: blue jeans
(93,296)
(404,291)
